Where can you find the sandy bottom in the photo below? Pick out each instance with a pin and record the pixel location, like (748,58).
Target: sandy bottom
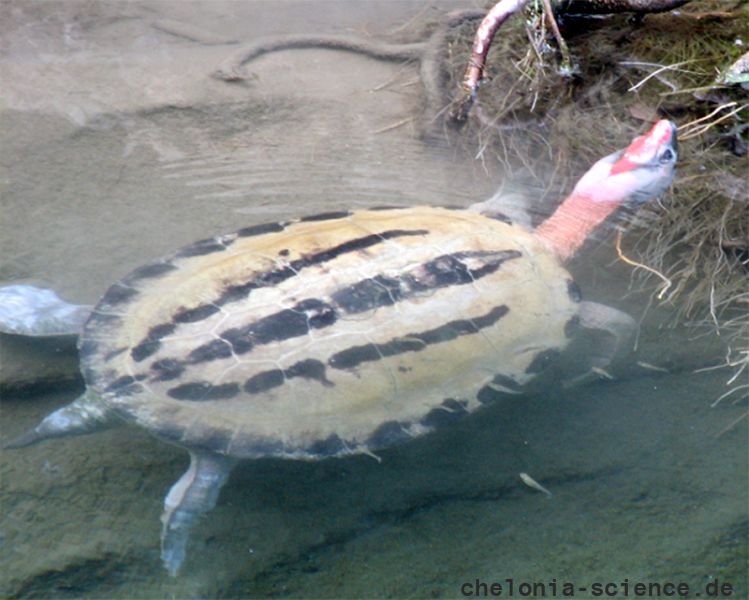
(642,489)
(118,147)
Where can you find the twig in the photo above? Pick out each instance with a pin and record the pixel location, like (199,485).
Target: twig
(700,130)
(666,281)
(656,72)
(732,424)
(567,68)
(400,123)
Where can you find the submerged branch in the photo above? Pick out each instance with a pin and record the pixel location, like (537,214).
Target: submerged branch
(599,7)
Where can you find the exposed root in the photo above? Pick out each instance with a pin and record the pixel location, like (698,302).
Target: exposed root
(698,131)
(232,68)
(732,424)
(667,283)
(429,54)
(657,73)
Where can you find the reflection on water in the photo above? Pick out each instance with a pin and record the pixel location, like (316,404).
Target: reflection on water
(119,148)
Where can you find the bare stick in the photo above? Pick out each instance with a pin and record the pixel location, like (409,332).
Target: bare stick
(567,68)
(481,44)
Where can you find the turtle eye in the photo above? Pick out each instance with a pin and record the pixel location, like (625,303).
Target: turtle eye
(667,156)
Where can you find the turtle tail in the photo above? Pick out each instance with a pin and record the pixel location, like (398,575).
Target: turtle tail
(86,414)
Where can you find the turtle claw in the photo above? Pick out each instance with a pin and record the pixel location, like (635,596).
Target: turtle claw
(26,439)
(32,311)
(593,374)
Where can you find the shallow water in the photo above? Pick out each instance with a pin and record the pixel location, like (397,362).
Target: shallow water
(118,147)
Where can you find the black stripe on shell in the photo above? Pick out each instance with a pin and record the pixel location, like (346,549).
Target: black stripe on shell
(328,216)
(152,342)
(267,380)
(125,385)
(243,339)
(213,350)
(87,348)
(445,414)
(297,321)
(370,293)
(261,229)
(415,342)
(261,382)
(264,381)
(389,433)
(499,216)
(252,446)
(166,369)
(494,392)
(236,292)
(114,353)
(203,247)
(330,446)
(507,382)
(149,271)
(309,369)
(193,315)
(198,391)
(119,293)
(99,320)
(352,246)
(216,440)
(443,271)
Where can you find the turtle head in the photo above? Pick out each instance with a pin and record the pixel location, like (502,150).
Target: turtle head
(640,173)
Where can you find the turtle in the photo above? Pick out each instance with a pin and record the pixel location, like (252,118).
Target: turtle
(333,334)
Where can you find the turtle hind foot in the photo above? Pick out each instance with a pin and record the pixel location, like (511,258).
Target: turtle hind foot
(614,328)
(86,414)
(33,311)
(194,494)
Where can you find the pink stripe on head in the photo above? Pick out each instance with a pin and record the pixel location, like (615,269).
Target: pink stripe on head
(644,148)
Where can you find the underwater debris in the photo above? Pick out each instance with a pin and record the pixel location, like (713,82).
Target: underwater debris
(533,484)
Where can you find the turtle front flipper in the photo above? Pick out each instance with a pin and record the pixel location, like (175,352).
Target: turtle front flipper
(86,414)
(618,328)
(507,206)
(195,493)
(32,311)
